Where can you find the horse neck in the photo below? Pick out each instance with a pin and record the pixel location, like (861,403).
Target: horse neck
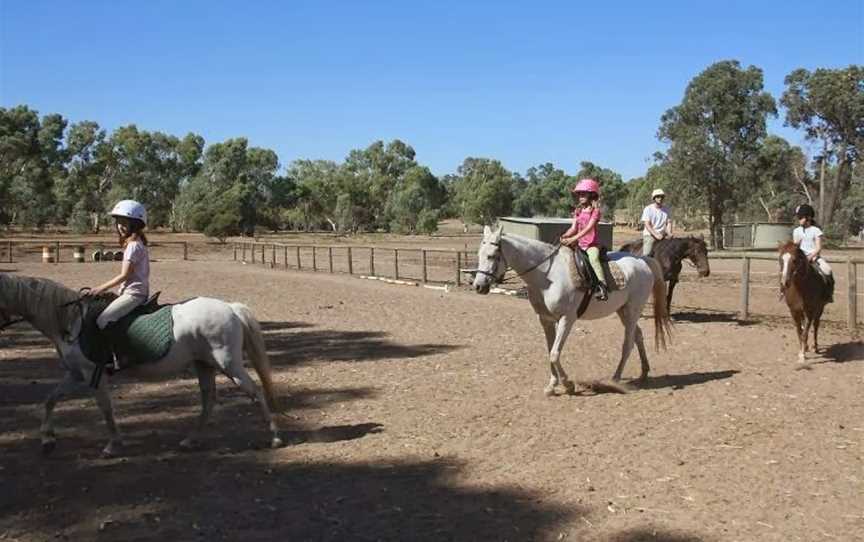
(523,254)
(40,307)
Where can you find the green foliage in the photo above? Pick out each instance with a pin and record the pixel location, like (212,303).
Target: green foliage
(484,191)
(713,136)
(829,105)
(545,191)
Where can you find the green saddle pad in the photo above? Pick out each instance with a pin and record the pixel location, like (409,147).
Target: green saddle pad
(144,336)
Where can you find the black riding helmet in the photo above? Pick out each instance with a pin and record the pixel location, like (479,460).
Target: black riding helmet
(805,210)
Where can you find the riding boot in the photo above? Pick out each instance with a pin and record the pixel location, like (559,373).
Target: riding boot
(602,292)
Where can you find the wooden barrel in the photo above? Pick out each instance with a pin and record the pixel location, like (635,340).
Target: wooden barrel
(78,254)
(118,256)
(107,255)
(47,254)
(97,255)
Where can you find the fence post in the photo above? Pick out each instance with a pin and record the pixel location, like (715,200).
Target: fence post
(458,268)
(852,290)
(314,259)
(235,251)
(330,258)
(371,261)
(263,257)
(252,251)
(396,263)
(423,264)
(298,257)
(185,251)
(9,247)
(285,255)
(350,263)
(744,311)
(57,253)
(273,257)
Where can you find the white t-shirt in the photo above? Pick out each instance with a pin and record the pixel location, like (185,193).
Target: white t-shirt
(658,217)
(138,283)
(806,238)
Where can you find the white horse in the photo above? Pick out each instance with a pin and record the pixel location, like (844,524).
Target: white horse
(556,298)
(210,333)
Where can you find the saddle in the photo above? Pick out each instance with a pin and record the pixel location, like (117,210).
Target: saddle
(145,335)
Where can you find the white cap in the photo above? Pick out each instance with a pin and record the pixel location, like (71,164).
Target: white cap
(657,192)
(130,209)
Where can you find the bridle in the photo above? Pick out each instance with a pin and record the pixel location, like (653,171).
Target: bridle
(501,259)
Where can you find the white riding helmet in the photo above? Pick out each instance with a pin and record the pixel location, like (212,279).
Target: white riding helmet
(657,192)
(130,209)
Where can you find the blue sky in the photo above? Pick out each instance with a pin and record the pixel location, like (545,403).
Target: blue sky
(522,82)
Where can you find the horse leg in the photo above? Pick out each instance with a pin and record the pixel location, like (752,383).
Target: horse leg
(103,399)
(643,355)
(798,317)
(629,320)
(816,319)
(207,384)
(562,330)
(549,332)
(672,283)
(233,368)
(49,438)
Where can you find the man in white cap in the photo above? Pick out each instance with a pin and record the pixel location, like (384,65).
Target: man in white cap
(657,221)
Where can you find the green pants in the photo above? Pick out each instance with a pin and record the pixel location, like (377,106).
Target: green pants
(594,258)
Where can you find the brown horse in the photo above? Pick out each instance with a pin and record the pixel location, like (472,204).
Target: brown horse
(806,293)
(670,253)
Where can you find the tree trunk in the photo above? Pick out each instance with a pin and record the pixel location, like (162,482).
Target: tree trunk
(715,222)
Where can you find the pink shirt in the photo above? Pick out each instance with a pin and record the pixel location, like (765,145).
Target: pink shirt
(138,282)
(581,218)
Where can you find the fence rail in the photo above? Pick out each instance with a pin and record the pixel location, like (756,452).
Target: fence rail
(423,265)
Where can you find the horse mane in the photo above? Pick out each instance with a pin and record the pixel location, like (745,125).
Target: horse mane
(39,299)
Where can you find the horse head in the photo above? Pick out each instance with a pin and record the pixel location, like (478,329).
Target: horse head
(697,251)
(490,262)
(792,262)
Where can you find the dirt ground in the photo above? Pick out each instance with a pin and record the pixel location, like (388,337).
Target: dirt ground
(416,414)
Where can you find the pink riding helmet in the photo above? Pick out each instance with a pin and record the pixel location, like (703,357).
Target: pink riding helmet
(587,185)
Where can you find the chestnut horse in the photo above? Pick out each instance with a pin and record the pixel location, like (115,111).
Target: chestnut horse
(806,293)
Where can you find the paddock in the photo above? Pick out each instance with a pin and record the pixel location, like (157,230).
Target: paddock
(418,414)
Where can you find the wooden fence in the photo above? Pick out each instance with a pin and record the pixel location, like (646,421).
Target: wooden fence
(62,251)
(422,264)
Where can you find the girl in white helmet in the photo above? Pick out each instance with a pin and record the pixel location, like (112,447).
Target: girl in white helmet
(134,278)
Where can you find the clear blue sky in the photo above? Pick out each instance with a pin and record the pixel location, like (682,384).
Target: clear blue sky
(522,82)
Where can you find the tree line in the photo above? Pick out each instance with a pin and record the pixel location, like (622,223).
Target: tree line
(720,165)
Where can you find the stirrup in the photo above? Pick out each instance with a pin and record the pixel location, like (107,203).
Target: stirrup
(602,293)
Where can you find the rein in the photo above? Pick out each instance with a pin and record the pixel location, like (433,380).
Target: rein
(518,273)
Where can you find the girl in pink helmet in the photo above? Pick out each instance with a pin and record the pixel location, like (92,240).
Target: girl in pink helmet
(583,232)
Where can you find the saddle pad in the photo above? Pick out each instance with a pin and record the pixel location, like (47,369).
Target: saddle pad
(615,278)
(147,338)
(143,336)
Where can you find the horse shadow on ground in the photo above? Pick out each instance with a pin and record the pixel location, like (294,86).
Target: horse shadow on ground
(675,382)
(296,343)
(841,353)
(706,316)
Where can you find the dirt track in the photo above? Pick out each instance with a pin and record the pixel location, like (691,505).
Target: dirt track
(421,417)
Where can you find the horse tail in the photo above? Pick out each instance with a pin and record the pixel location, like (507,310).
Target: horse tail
(662,321)
(253,344)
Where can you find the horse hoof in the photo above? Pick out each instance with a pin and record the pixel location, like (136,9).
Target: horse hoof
(570,388)
(111,451)
(549,392)
(48,446)
(276,443)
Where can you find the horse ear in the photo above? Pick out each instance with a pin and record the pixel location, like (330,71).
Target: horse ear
(487,231)
(498,232)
